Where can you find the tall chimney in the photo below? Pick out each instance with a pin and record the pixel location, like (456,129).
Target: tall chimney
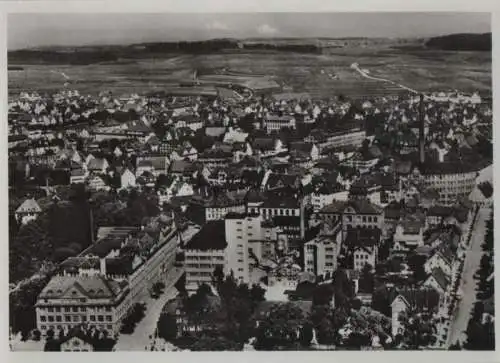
(421,139)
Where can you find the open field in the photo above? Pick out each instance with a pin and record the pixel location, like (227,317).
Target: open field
(320,75)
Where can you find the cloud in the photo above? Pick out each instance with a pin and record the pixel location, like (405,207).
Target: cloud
(266,29)
(217,26)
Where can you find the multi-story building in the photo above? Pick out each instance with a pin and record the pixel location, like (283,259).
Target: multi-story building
(320,254)
(216,207)
(205,252)
(275,122)
(409,235)
(97,288)
(353,213)
(452,180)
(323,196)
(240,230)
(350,137)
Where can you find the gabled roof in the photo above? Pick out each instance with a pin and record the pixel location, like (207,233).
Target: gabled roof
(440,278)
(94,287)
(263,143)
(97,164)
(29,206)
(301,146)
(360,206)
(486,188)
(418,299)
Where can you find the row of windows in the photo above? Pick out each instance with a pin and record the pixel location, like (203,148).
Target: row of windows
(200,265)
(75,309)
(205,258)
(199,273)
(59,327)
(281,212)
(75,318)
(361,256)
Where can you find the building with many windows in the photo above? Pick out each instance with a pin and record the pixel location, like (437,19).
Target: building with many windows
(275,122)
(203,253)
(353,213)
(97,288)
(320,254)
(349,137)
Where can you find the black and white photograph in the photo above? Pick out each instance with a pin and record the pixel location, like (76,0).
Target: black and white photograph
(252,181)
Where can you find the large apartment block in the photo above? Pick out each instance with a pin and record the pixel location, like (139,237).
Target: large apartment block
(98,287)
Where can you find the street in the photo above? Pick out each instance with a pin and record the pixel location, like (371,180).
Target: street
(468,283)
(146,327)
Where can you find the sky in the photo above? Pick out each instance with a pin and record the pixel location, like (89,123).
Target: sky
(35,30)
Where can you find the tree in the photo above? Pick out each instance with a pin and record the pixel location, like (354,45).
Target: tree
(381,301)
(280,330)
(327,321)
(343,288)
(366,281)
(416,263)
(218,275)
(206,343)
(323,294)
(419,330)
(306,335)
(167,327)
(456,346)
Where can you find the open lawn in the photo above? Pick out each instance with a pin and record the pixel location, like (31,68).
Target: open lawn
(320,75)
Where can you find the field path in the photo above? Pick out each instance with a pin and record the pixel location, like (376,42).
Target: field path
(355,66)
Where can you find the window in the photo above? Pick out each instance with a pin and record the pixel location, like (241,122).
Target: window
(67,309)
(43,318)
(58,318)
(50,309)
(43,327)
(109,327)
(92,317)
(67,318)
(58,309)
(51,319)
(76,318)
(109,318)
(84,318)
(240,269)
(100,318)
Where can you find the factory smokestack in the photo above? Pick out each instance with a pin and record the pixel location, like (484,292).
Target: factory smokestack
(421,126)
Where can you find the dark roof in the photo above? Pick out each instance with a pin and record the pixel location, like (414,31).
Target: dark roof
(364,237)
(210,237)
(77,332)
(285,180)
(440,277)
(440,211)
(446,252)
(304,290)
(301,146)
(419,299)
(360,206)
(486,188)
(263,143)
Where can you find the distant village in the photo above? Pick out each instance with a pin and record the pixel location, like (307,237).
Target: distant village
(260,222)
